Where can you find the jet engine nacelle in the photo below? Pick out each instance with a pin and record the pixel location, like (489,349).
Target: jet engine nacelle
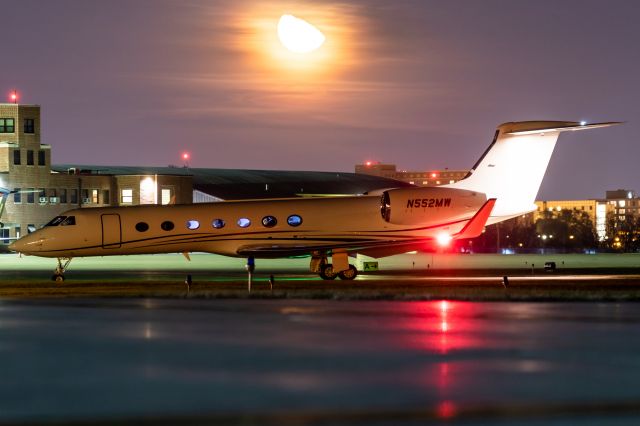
(424,206)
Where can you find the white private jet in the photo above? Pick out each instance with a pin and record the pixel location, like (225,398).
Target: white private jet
(503,184)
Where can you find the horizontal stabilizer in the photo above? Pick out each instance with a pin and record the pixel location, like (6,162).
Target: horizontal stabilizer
(474,227)
(534,127)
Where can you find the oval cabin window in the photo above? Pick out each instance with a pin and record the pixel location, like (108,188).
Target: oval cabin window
(269,221)
(243,222)
(193,224)
(294,220)
(218,223)
(142,227)
(167,225)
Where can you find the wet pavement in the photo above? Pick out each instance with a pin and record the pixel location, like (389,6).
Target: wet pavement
(319,362)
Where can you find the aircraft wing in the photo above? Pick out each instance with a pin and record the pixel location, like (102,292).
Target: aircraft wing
(381,247)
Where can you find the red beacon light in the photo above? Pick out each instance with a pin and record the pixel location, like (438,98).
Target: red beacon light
(368,163)
(185,157)
(14,96)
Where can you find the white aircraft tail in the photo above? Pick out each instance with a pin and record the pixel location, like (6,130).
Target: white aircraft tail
(512,168)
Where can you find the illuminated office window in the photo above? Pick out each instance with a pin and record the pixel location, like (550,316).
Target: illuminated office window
(126,196)
(7,125)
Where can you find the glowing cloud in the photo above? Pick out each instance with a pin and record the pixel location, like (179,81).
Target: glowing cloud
(299,36)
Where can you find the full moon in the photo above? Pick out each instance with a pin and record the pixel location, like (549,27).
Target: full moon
(299,36)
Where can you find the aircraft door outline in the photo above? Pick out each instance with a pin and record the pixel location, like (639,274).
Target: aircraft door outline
(111,231)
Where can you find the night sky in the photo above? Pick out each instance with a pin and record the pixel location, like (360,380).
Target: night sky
(421,84)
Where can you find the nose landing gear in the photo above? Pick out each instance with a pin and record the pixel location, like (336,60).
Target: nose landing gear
(58,274)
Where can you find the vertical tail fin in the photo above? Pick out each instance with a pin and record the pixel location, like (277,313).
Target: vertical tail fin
(512,168)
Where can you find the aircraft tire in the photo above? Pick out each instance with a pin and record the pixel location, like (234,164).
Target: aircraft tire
(57,278)
(349,274)
(326,272)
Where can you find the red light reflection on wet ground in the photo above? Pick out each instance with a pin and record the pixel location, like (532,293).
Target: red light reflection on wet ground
(441,326)
(444,329)
(446,410)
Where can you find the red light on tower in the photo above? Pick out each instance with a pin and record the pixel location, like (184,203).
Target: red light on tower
(185,158)
(368,163)
(14,97)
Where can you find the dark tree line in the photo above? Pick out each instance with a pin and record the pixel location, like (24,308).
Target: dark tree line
(571,230)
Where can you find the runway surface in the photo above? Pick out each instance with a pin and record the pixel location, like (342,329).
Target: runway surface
(186,361)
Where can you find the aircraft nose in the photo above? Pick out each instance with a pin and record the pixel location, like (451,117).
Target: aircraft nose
(28,244)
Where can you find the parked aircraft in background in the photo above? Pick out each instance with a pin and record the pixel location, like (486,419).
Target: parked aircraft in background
(503,184)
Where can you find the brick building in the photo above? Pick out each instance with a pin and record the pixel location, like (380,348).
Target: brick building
(40,192)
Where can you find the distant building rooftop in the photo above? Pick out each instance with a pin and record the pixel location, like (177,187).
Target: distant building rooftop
(235,184)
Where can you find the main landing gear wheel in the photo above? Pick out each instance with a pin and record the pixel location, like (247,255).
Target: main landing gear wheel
(58,274)
(326,272)
(349,274)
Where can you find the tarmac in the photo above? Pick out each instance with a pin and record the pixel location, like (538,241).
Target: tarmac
(181,361)
(130,344)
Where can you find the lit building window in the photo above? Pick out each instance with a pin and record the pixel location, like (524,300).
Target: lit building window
(126,196)
(147,191)
(94,196)
(7,125)
(165,196)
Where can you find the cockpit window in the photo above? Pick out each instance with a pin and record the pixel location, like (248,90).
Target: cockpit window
(69,221)
(56,221)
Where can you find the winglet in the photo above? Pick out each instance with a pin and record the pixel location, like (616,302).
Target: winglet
(474,227)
